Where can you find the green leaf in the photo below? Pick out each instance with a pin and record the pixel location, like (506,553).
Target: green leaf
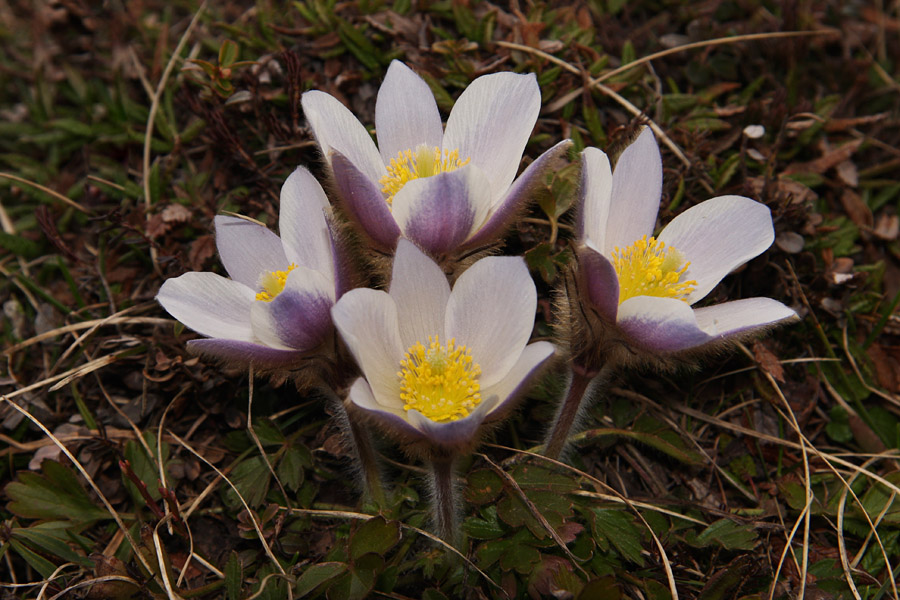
(19,246)
(618,529)
(487,528)
(37,562)
(55,495)
(728,534)
(228,53)
(521,558)
(483,486)
(251,478)
(358,583)
(234,576)
(43,539)
(290,469)
(374,536)
(316,575)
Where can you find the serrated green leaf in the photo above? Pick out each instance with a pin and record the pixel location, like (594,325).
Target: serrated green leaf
(483,486)
(374,536)
(251,478)
(487,528)
(56,494)
(316,575)
(728,534)
(359,581)
(291,467)
(619,530)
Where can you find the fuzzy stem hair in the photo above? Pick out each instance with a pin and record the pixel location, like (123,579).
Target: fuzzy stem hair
(581,383)
(444,498)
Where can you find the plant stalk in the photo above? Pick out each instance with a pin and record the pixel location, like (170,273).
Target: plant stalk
(445,498)
(568,410)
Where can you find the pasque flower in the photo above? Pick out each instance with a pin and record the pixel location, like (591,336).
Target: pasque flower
(437,364)
(275,308)
(448,190)
(633,291)
(644,285)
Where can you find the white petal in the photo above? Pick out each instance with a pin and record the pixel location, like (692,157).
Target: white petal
(367,320)
(248,250)
(335,127)
(440,212)
(718,236)
(741,316)
(420,290)
(304,231)
(491,310)
(491,123)
(660,324)
(636,190)
(596,190)
(511,387)
(406,114)
(209,304)
(362,396)
(298,318)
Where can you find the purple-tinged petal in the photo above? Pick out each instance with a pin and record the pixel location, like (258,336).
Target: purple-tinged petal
(491,123)
(367,321)
(520,193)
(596,190)
(304,231)
(236,351)
(441,211)
(660,324)
(392,419)
(512,387)
(406,114)
(741,316)
(209,304)
(491,311)
(420,291)
(336,129)
(718,236)
(600,284)
(248,249)
(636,191)
(299,318)
(365,204)
(452,434)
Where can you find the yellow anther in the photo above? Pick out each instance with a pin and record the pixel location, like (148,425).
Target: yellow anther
(649,268)
(415,164)
(441,382)
(272,283)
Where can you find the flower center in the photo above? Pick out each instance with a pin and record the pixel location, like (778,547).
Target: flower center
(272,283)
(441,382)
(648,268)
(415,164)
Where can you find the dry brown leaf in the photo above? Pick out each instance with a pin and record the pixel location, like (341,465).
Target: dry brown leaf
(887,227)
(768,361)
(856,209)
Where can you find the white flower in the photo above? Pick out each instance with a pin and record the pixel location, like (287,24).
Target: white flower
(447,190)
(276,306)
(437,363)
(646,285)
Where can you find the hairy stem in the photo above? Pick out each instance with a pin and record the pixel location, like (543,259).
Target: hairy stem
(445,498)
(568,410)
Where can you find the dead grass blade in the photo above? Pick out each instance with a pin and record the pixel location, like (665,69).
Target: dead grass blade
(48,191)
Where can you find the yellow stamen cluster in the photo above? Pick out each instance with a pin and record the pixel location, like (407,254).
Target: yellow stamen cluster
(441,382)
(415,164)
(272,283)
(648,268)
